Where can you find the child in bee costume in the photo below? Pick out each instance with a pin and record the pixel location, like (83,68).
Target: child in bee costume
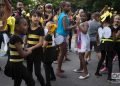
(15,68)
(49,52)
(107,47)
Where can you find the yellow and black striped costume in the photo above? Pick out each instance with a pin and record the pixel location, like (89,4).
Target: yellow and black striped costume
(14,66)
(35,58)
(14,55)
(50,51)
(49,55)
(33,36)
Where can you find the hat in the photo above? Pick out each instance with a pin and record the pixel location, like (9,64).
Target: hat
(105,15)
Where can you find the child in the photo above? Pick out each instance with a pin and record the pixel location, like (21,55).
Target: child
(83,44)
(15,68)
(34,43)
(107,48)
(49,53)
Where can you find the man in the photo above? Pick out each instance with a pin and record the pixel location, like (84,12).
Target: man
(94,24)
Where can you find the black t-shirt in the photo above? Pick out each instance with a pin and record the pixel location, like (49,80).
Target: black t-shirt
(34,36)
(48,38)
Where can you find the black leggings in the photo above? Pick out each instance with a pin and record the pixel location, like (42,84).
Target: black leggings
(103,57)
(109,59)
(36,60)
(49,72)
(25,76)
(70,39)
(110,55)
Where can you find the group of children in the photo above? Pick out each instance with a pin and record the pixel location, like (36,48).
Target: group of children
(33,40)
(37,47)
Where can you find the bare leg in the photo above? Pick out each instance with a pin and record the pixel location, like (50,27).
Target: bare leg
(83,63)
(61,57)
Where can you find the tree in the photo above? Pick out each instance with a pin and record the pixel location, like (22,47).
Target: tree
(26,2)
(91,5)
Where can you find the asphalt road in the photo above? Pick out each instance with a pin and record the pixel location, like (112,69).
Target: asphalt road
(72,78)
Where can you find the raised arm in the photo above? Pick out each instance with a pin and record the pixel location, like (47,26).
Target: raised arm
(8,9)
(66,27)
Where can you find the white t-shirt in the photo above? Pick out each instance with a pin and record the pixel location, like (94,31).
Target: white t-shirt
(104,32)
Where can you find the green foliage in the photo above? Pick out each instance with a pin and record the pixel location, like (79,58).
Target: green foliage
(91,5)
(26,2)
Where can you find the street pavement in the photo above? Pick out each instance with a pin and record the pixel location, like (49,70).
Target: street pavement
(72,78)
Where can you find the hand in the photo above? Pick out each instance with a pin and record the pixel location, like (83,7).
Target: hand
(77,23)
(29,50)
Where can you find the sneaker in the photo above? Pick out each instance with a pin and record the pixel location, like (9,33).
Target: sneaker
(105,70)
(84,77)
(115,58)
(78,71)
(98,74)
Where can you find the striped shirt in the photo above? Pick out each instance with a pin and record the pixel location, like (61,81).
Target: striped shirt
(34,36)
(12,48)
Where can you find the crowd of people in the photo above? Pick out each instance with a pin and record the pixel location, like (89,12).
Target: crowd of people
(44,34)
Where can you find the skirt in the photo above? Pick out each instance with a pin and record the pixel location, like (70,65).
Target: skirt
(14,70)
(49,55)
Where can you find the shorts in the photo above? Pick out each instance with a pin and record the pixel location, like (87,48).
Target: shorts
(59,39)
(97,49)
(94,44)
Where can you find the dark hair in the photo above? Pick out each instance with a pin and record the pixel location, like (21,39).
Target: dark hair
(18,20)
(45,9)
(96,14)
(56,10)
(35,12)
(108,19)
(88,15)
(63,4)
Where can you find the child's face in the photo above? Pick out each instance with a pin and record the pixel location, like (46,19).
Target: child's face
(35,18)
(40,8)
(83,17)
(48,9)
(23,26)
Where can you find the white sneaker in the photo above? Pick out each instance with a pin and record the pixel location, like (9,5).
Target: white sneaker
(84,77)
(78,71)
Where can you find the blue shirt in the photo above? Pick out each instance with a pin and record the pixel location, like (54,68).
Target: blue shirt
(60,29)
